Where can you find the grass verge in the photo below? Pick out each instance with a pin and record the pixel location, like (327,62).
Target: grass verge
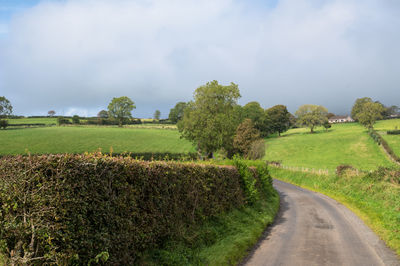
(222,240)
(377,203)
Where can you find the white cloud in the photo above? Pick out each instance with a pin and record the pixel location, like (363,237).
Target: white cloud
(83,53)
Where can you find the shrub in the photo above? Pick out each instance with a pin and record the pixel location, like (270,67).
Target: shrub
(63,121)
(393,132)
(247,178)
(3,124)
(79,209)
(388,174)
(257,150)
(381,141)
(246,134)
(343,168)
(75,119)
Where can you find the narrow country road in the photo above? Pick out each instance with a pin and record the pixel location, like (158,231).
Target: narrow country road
(313,229)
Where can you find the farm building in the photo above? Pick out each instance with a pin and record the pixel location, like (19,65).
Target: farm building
(340,119)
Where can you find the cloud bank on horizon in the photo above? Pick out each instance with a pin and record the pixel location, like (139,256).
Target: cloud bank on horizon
(74,56)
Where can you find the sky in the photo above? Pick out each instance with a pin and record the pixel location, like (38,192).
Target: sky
(74,56)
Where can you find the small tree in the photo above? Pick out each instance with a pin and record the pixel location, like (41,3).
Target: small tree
(369,113)
(102,114)
(176,113)
(51,113)
(3,124)
(246,134)
(310,115)
(330,115)
(5,106)
(157,115)
(327,125)
(120,109)
(279,118)
(257,150)
(75,119)
(5,109)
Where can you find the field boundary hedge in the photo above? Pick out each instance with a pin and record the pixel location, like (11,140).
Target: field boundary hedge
(79,209)
(381,141)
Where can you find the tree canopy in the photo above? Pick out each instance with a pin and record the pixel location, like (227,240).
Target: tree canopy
(121,108)
(102,114)
(257,114)
(369,113)
(358,106)
(5,106)
(311,115)
(279,118)
(157,115)
(176,113)
(210,120)
(245,135)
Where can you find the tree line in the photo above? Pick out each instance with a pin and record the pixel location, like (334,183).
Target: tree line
(214,121)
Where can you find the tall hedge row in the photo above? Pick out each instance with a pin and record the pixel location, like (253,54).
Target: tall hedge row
(80,209)
(381,141)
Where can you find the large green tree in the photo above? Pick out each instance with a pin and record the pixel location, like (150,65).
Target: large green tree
(279,118)
(357,107)
(210,120)
(176,113)
(258,115)
(311,115)
(369,113)
(5,106)
(121,109)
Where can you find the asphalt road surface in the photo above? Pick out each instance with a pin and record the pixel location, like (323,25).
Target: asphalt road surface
(313,229)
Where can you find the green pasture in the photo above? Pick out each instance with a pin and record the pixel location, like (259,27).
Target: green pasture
(383,126)
(342,144)
(79,139)
(47,121)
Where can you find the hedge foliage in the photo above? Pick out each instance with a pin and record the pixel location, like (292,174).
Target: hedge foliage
(393,132)
(381,141)
(83,209)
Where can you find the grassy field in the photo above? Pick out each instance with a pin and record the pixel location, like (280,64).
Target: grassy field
(81,139)
(46,121)
(374,201)
(342,144)
(393,140)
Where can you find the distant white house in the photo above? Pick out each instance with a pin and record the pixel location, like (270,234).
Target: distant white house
(340,119)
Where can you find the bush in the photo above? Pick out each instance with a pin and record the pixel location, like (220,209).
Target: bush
(388,174)
(75,119)
(343,168)
(248,180)
(3,124)
(393,132)
(76,209)
(257,150)
(246,134)
(381,141)
(63,121)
